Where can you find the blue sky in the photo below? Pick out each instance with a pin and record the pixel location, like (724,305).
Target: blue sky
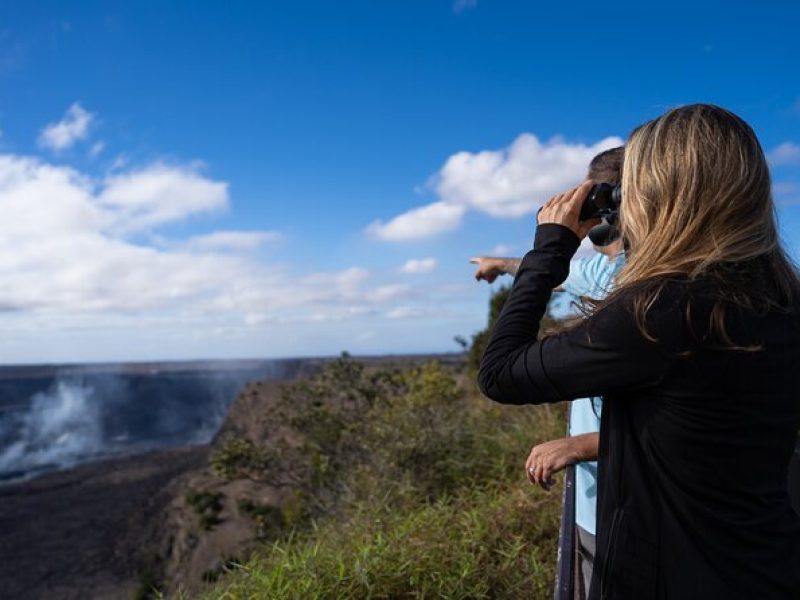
(205,179)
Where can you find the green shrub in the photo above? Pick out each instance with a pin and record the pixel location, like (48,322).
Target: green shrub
(148,588)
(485,543)
(237,458)
(207,506)
(403,484)
(270,520)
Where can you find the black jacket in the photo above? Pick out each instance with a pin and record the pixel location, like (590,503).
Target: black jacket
(695,440)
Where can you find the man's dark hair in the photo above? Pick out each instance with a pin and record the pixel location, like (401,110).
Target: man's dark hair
(606,167)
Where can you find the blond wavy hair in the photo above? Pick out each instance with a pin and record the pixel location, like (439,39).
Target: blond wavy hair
(697,203)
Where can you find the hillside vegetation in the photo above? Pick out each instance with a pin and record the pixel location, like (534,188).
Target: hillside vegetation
(395,483)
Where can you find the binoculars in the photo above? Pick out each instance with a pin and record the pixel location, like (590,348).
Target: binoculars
(603,202)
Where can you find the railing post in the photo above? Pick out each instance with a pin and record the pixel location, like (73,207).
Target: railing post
(565,568)
(565,565)
(794,479)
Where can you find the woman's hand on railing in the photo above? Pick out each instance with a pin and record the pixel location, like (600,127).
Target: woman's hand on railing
(548,458)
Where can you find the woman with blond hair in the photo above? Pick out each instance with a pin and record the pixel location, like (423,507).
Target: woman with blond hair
(694,354)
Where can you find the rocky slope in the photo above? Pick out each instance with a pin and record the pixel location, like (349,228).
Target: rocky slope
(194,553)
(117,528)
(87,533)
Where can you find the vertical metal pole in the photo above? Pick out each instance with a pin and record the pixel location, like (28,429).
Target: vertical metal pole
(565,567)
(794,479)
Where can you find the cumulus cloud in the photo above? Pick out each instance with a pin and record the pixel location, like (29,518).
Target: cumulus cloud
(502,250)
(515,181)
(506,183)
(418,266)
(64,254)
(59,251)
(159,194)
(233,240)
(420,312)
(97,149)
(462,5)
(787,153)
(389,293)
(786,193)
(94,267)
(418,223)
(404,312)
(69,130)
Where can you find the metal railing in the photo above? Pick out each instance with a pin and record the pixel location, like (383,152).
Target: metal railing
(565,568)
(567,547)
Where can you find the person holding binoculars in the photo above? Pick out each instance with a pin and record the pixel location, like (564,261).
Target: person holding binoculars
(694,353)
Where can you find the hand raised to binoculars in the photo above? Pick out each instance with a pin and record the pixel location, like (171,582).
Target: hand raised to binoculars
(565,209)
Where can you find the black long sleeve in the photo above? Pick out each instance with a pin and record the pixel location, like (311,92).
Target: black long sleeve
(606,353)
(695,438)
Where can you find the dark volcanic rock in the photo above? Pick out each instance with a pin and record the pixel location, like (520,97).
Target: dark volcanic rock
(88,533)
(98,531)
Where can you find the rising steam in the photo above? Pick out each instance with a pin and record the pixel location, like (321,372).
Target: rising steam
(61,427)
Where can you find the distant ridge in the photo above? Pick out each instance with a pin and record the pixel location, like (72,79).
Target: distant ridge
(191,365)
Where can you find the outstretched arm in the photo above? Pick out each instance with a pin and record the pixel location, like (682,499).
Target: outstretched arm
(491,267)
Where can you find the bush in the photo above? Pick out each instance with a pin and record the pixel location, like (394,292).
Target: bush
(237,458)
(404,484)
(148,588)
(483,543)
(207,506)
(270,520)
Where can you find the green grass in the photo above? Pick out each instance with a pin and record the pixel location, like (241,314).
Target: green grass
(408,484)
(483,543)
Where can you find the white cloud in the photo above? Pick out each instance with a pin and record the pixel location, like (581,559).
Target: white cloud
(92,269)
(418,266)
(418,223)
(517,180)
(69,130)
(233,240)
(404,312)
(58,250)
(502,250)
(787,153)
(786,193)
(64,255)
(420,312)
(462,5)
(96,149)
(388,293)
(348,279)
(159,194)
(119,162)
(506,183)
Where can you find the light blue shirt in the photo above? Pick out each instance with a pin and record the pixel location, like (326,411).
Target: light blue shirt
(593,278)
